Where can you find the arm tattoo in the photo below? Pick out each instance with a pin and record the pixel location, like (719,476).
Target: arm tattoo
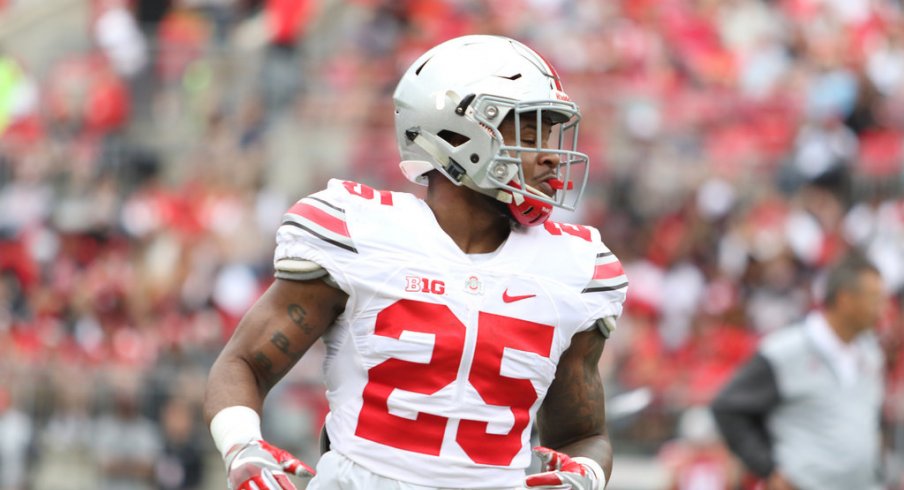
(298,314)
(281,342)
(264,370)
(581,394)
(577,391)
(591,402)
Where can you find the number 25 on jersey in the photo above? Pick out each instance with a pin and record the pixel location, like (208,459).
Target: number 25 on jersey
(425,433)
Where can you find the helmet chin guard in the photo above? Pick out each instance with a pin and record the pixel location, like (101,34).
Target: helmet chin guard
(449,106)
(525,209)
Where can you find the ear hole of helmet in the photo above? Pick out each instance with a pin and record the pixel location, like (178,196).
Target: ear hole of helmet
(453,138)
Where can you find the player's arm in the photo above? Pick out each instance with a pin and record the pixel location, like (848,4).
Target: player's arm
(572,419)
(275,333)
(281,326)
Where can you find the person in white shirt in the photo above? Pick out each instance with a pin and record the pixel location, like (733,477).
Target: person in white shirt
(804,412)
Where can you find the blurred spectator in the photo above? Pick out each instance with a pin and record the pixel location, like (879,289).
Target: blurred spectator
(182,36)
(150,12)
(86,99)
(15,443)
(127,444)
(18,95)
(698,459)
(717,346)
(823,146)
(181,464)
(281,74)
(117,34)
(66,443)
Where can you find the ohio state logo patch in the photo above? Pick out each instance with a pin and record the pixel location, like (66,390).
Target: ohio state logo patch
(473,285)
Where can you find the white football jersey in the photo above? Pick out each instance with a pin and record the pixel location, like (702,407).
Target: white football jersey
(438,364)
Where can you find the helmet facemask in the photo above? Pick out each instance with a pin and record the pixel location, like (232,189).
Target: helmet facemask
(552,128)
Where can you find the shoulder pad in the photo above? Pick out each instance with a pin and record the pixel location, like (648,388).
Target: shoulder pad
(302,270)
(606,325)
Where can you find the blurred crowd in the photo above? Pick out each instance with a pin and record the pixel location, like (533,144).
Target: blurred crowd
(737,147)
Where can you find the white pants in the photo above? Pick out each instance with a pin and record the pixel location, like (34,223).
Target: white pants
(336,472)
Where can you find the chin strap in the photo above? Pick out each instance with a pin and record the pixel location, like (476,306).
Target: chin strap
(526,210)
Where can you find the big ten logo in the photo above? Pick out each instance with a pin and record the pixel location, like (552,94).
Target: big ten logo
(416,284)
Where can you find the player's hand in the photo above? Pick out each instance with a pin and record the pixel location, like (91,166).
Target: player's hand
(261,466)
(561,472)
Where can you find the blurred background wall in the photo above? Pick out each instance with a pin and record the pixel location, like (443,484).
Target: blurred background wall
(148,149)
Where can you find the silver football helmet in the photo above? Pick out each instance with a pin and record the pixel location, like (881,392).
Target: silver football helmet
(448,108)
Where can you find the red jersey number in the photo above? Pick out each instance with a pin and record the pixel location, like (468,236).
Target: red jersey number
(556,228)
(425,433)
(367,192)
(494,334)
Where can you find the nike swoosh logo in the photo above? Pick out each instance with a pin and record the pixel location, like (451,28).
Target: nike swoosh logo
(512,299)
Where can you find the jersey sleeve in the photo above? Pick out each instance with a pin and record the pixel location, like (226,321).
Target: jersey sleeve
(316,229)
(606,287)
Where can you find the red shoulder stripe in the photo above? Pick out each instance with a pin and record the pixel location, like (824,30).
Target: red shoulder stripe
(608,271)
(321,218)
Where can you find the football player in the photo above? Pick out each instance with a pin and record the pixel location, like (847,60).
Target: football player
(453,323)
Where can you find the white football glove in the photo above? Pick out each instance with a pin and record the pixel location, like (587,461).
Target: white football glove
(563,472)
(259,465)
